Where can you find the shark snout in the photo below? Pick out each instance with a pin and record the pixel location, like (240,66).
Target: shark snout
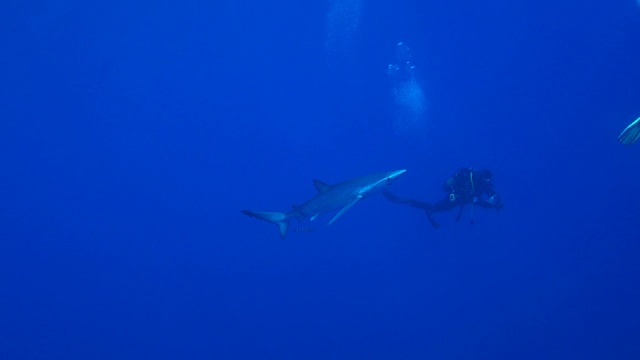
(394,174)
(391,176)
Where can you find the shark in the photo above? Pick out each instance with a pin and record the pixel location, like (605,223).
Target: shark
(341,196)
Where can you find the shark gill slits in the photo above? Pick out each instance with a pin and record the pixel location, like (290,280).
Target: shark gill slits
(303,229)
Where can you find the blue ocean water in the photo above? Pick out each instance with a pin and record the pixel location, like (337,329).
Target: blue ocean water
(135,132)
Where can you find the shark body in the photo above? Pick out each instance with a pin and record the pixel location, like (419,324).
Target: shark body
(340,196)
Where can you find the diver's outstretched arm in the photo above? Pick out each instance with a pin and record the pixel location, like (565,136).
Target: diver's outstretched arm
(419,204)
(393,198)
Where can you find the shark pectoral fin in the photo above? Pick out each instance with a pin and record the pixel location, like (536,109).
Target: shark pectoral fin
(345,208)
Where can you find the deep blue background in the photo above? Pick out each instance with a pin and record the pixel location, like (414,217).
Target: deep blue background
(134,132)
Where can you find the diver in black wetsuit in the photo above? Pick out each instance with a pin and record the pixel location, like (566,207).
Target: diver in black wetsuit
(466,186)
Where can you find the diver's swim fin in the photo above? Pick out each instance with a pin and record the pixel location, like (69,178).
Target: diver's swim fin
(431,220)
(473,219)
(460,213)
(631,134)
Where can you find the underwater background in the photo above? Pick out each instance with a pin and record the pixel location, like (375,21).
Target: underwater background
(134,132)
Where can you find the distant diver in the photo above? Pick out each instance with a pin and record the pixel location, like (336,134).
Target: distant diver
(466,187)
(404,70)
(631,134)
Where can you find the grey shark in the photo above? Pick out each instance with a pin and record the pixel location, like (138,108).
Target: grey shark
(340,196)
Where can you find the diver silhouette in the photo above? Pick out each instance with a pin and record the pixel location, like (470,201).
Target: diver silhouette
(466,187)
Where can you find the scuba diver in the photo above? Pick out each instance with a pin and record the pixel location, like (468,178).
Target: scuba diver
(466,187)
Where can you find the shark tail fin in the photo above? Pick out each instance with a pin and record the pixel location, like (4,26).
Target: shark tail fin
(278,218)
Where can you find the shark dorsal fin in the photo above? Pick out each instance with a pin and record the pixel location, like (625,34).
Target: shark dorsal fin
(345,208)
(320,186)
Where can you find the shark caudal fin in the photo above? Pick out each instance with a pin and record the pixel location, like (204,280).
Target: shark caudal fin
(278,218)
